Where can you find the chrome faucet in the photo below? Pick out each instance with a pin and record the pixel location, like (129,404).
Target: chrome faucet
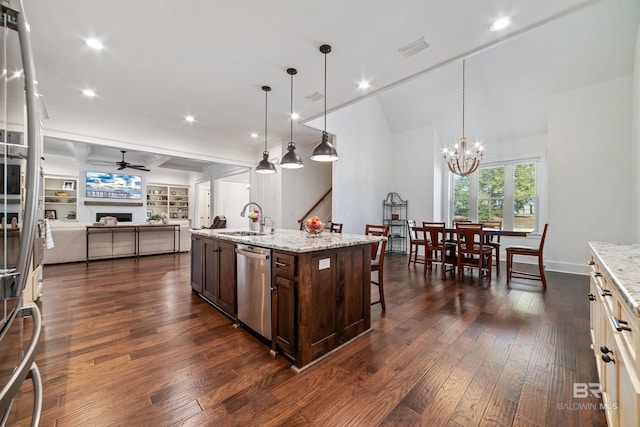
(244,209)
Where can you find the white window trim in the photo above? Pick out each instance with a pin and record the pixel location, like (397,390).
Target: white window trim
(541,188)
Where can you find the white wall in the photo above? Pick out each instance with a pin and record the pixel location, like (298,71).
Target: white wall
(589,171)
(363,175)
(415,171)
(301,188)
(635,146)
(229,198)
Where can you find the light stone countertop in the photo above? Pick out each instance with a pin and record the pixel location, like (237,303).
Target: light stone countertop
(291,240)
(622,264)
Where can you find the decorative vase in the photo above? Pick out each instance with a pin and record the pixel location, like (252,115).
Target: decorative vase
(254,225)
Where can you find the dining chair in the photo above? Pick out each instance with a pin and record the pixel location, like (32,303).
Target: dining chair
(493,240)
(417,239)
(438,250)
(336,227)
(378,250)
(472,251)
(527,251)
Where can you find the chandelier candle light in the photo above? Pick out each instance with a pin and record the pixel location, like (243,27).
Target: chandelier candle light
(460,159)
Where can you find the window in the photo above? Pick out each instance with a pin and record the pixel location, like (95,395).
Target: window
(506,191)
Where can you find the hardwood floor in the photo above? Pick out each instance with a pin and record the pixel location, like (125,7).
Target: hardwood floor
(124,343)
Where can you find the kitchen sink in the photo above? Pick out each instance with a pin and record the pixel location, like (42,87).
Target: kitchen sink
(242,233)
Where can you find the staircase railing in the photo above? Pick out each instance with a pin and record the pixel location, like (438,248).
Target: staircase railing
(324,196)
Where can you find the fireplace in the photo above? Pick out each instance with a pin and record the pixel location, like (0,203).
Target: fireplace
(120,216)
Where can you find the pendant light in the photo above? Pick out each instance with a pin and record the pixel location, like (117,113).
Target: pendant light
(265,166)
(460,159)
(291,160)
(325,151)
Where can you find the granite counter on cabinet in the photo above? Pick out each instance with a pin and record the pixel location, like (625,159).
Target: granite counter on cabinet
(622,263)
(320,286)
(291,240)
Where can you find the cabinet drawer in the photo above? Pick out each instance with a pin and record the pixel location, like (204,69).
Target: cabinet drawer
(284,264)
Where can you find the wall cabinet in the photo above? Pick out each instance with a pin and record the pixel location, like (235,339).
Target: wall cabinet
(173,200)
(615,333)
(60,198)
(219,274)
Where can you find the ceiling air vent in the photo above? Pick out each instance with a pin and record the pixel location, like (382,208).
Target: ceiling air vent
(316,96)
(413,48)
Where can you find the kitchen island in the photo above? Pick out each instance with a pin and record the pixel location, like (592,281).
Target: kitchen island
(320,286)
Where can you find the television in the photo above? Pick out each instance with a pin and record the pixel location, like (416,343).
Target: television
(113,185)
(13,179)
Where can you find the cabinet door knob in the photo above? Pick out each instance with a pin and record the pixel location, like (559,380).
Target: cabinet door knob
(591,262)
(607,359)
(604,350)
(215,250)
(592,297)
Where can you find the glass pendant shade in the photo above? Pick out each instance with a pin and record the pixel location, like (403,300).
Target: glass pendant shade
(265,166)
(291,160)
(325,151)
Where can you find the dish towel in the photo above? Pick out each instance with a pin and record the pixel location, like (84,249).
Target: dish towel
(48,238)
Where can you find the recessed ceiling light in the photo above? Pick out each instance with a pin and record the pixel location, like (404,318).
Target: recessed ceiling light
(364,84)
(89,93)
(189,118)
(254,135)
(295,116)
(501,23)
(94,44)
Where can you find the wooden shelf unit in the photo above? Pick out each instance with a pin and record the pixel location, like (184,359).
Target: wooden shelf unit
(173,200)
(65,207)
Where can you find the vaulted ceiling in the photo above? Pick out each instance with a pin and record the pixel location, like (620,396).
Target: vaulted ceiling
(163,60)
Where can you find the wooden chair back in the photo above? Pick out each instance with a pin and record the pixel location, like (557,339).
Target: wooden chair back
(434,234)
(377,248)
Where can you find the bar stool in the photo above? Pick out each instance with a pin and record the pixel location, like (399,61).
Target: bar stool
(377,257)
(417,238)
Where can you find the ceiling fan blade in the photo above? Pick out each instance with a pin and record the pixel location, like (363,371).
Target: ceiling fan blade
(140,168)
(121,167)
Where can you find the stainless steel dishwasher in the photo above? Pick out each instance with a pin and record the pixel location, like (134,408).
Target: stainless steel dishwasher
(254,288)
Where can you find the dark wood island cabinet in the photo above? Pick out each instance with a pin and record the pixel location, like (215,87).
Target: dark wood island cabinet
(213,272)
(320,287)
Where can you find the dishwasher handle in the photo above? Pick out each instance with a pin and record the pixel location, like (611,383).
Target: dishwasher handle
(252,254)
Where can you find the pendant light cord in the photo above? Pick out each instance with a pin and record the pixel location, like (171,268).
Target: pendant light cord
(291,117)
(325,92)
(463,61)
(266,94)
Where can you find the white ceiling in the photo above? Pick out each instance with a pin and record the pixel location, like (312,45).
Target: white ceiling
(165,59)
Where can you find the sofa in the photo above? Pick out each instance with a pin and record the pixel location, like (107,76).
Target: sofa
(70,241)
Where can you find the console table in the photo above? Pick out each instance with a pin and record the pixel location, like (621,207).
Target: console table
(135,231)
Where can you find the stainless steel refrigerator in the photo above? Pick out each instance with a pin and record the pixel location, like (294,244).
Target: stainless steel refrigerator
(20,210)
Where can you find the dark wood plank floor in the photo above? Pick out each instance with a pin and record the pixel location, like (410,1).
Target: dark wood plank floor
(124,343)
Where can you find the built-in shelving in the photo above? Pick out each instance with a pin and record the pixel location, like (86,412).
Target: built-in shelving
(174,200)
(60,198)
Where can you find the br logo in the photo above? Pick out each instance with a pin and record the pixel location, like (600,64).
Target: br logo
(582,390)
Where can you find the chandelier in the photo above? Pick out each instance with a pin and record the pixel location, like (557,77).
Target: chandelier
(461,159)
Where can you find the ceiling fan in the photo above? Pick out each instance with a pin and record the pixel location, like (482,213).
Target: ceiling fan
(123,164)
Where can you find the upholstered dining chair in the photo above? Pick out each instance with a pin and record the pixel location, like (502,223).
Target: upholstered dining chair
(472,251)
(335,227)
(438,250)
(417,239)
(527,251)
(377,257)
(493,240)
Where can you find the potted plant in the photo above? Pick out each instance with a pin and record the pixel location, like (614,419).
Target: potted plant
(155,219)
